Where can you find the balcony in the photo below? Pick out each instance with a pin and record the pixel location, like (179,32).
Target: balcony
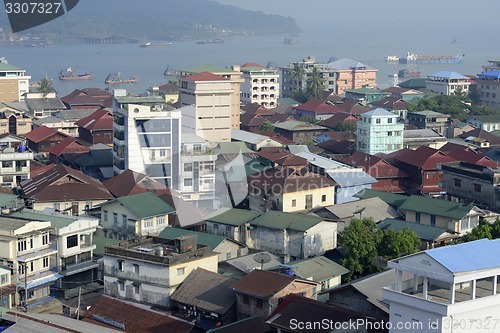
(129,275)
(25,256)
(38,278)
(79,267)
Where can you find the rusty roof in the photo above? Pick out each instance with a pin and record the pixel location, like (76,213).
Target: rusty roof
(131,182)
(68,145)
(99,120)
(41,133)
(319,107)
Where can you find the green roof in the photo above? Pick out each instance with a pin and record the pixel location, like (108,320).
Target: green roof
(7,67)
(430,113)
(414,83)
(56,221)
(392,199)
(6,198)
(495,133)
(101,242)
(231,216)
(145,204)
(367,91)
(210,240)
(423,231)
(232,148)
(281,220)
(319,268)
(208,68)
(436,207)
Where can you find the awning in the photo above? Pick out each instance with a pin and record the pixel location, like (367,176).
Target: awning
(42,281)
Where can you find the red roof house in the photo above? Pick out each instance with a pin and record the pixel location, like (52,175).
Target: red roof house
(96,128)
(42,138)
(316,109)
(66,150)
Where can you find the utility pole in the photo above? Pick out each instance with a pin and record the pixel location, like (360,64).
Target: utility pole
(25,284)
(78,308)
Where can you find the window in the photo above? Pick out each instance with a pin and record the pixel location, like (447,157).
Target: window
(458,182)
(313,238)
(115,218)
(260,303)
(181,271)
(45,262)
(246,299)
(4,278)
(389,133)
(280,300)
(323,198)
(121,265)
(389,120)
(136,269)
(477,188)
(45,239)
(188,167)
(21,244)
(464,223)
(136,289)
(228,255)
(197,147)
(71,241)
(188,182)
(21,268)
(121,285)
(124,220)
(294,202)
(309,201)
(105,215)
(160,220)
(377,120)
(433,220)
(417,217)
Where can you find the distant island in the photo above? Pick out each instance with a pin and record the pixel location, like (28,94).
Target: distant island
(132,20)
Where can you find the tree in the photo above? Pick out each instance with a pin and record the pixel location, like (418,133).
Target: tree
(297,74)
(359,242)
(483,230)
(266,126)
(315,83)
(45,85)
(394,244)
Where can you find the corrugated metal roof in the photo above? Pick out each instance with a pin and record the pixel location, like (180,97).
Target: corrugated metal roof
(210,240)
(247,263)
(448,75)
(425,232)
(56,220)
(318,268)
(392,199)
(245,136)
(379,112)
(373,207)
(351,178)
(436,207)
(346,63)
(231,216)
(281,220)
(145,204)
(471,256)
(495,74)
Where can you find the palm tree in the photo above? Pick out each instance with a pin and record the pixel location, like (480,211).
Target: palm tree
(45,85)
(297,74)
(315,83)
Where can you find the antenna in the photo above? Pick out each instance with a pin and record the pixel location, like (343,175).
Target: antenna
(262,258)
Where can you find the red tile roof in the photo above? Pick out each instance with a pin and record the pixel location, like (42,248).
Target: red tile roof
(375,166)
(251,119)
(91,97)
(280,138)
(319,107)
(256,108)
(204,76)
(339,136)
(281,157)
(68,145)
(392,103)
(38,170)
(425,158)
(465,154)
(135,319)
(41,133)
(251,64)
(99,120)
(353,107)
(344,147)
(340,117)
(62,183)
(130,182)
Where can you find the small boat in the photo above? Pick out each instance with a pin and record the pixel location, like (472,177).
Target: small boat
(412,58)
(409,72)
(69,74)
(210,41)
(153,45)
(115,78)
(391,58)
(171,71)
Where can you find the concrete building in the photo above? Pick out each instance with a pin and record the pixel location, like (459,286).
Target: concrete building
(13,120)
(448,83)
(254,141)
(26,248)
(206,100)
(7,288)
(450,289)
(41,105)
(149,270)
(15,160)
(488,123)
(428,119)
(146,137)
(14,82)
(233,75)
(230,222)
(261,85)
(378,131)
(486,88)
(412,139)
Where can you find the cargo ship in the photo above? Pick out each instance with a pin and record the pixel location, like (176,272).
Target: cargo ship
(412,58)
(116,79)
(69,74)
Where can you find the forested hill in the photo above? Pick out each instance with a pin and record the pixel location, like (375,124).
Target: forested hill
(160,20)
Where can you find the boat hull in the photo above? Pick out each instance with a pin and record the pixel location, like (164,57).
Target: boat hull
(431,60)
(76,77)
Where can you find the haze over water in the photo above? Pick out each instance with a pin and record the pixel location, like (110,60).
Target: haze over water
(362,30)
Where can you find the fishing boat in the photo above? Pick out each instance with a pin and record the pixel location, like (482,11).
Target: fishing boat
(409,72)
(412,58)
(115,78)
(69,74)
(155,45)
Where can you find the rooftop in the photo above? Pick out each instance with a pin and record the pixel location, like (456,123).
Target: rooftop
(448,75)
(280,220)
(56,220)
(379,112)
(296,125)
(231,216)
(392,199)
(210,240)
(317,268)
(423,231)
(347,64)
(436,207)
(145,204)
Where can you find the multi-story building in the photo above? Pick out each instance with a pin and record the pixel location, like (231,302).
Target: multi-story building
(26,248)
(13,120)
(378,131)
(14,82)
(488,123)
(206,101)
(486,88)
(428,119)
(448,289)
(149,270)
(146,137)
(448,83)
(261,85)
(7,288)
(41,105)
(233,75)
(15,160)
(197,176)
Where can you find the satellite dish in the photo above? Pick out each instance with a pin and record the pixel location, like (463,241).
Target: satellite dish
(359,211)
(262,258)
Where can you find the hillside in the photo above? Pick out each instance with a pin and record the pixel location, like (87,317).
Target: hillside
(160,20)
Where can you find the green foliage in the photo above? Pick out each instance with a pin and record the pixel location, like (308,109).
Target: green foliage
(315,83)
(483,230)
(363,244)
(297,74)
(457,106)
(300,96)
(266,126)
(343,127)
(45,86)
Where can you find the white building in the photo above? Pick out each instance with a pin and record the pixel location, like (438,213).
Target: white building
(261,85)
(15,160)
(378,131)
(206,101)
(448,83)
(454,289)
(254,141)
(146,137)
(197,176)
(148,271)
(486,88)
(14,82)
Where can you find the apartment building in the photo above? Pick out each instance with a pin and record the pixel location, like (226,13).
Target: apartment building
(378,131)
(14,82)
(261,85)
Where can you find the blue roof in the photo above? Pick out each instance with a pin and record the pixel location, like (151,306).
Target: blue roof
(351,178)
(491,74)
(448,75)
(346,63)
(379,112)
(472,256)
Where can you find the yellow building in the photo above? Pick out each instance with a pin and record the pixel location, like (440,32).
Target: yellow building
(14,82)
